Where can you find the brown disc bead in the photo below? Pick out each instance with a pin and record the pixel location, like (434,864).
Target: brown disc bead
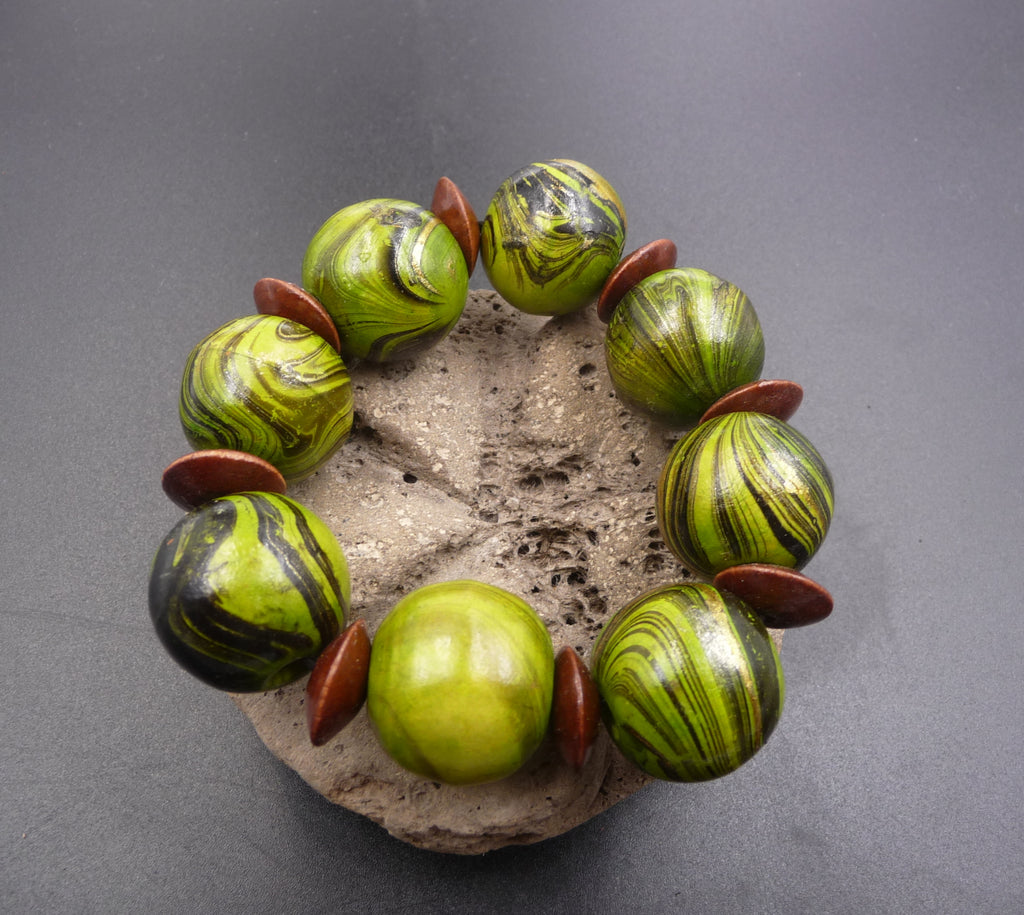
(337,687)
(201,476)
(576,710)
(286,300)
(647,260)
(773,397)
(782,597)
(452,208)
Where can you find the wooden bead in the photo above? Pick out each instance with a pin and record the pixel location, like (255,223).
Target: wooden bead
(453,209)
(196,478)
(782,597)
(773,397)
(645,261)
(286,300)
(337,687)
(576,709)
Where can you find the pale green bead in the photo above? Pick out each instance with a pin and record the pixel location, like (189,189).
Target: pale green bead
(460,683)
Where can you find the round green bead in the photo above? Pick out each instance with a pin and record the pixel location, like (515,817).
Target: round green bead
(390,274)
(679,340)
(247,590)
(270,387)
(552,234)
(690,682)
(744,487)
(460,683)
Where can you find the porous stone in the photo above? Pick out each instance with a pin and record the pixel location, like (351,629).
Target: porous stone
(501,455)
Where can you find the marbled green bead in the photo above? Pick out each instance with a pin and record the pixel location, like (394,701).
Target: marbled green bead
(390,274)
(268,386)
(460,684)
(679,340)
(744,487)
(690,682)
(247,590)
(551,235)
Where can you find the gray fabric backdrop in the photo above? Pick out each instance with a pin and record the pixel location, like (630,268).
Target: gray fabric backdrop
(854,166)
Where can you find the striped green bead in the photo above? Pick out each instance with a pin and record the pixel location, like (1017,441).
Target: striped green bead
(390,274)
(690,682)
(460,683)
(744,487)
(679,340)
(552,234)
(247,590)
(270,387)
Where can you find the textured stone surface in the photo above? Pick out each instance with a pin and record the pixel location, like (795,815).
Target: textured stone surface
(501,455)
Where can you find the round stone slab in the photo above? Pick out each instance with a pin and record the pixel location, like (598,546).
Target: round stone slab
(782,597)
(534,478)
(194,479)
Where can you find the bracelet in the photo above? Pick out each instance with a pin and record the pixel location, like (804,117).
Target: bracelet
(251,591)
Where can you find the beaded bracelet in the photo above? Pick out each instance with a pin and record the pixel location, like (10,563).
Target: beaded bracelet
(250,590)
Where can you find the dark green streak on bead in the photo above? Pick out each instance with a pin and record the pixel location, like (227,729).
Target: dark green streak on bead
(744,488)
(270,387)
(243,594)
(691,683)
(679,340)
(391,275)
(300,562)
(551,235)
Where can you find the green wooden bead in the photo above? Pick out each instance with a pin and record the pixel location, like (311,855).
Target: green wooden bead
(679,340)
(270,387)
(690,682)
(745,487)
(390,274)
(460,683)
(552,234)
(247,590)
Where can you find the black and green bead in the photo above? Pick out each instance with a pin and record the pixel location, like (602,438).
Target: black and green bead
(552,234)
(390,274)
(270,387)
(741,488)
(679,340)
(247,590)
(690,682)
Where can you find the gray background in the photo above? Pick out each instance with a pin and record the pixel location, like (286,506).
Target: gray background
(854,166)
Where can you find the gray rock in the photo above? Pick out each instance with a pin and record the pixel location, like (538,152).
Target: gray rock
(502,455)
